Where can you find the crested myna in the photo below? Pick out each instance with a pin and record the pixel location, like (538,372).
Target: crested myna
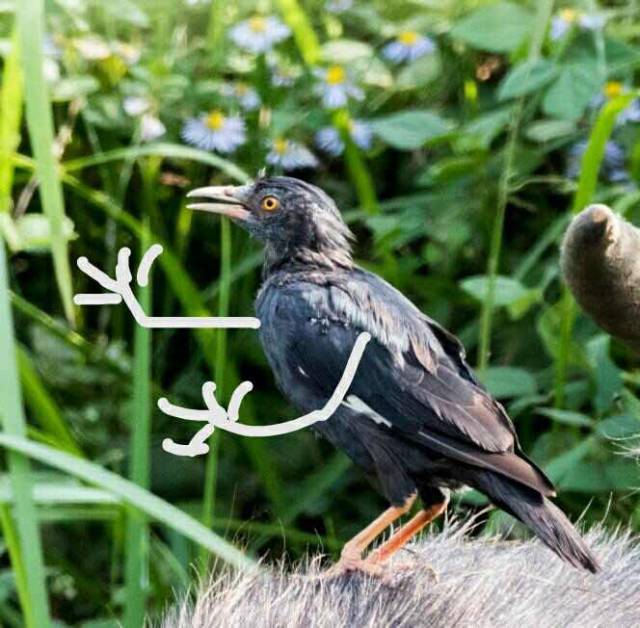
(415,418)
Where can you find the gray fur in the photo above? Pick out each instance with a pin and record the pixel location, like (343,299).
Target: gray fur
(480,583)
(600,260)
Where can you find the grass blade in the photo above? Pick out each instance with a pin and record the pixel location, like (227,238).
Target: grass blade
(137,535)
(172,151)
(587,183)
(44,408)
(543,15)
(10,119)
(209,495)
(303,33)
(10,537)
(40,126)
(135,496)
(14,425)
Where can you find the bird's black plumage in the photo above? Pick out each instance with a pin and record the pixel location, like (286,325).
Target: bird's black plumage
(415,418)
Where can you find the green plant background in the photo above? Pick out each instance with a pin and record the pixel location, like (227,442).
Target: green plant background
(460,203)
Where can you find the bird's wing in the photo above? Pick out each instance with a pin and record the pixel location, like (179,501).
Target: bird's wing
(412,374)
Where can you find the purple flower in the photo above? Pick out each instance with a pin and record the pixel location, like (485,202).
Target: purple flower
(408,46)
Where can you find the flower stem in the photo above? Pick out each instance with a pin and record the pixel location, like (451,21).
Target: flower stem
(543,15)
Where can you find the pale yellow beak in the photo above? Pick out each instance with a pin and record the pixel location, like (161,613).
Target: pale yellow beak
(224,199)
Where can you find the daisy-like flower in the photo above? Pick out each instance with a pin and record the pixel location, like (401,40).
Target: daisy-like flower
(613,167)
(135,106)
(151,128)
(128,53)
(328,138)
(259,34)
(50,70)
(51,53)
(290,155)
(408,46)
(215,131)
(613,89)
(336,87)
(247,97)
(92,48)
(565,19)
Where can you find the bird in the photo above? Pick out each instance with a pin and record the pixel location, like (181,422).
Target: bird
(416,418)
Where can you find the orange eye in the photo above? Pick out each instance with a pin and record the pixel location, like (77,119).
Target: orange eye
(270,203)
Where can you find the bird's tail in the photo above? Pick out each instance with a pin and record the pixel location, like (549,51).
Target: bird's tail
(541,516)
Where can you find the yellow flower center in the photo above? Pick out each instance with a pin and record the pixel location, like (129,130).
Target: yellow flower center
(569,15)
(215,120)
(612,89)
(335,75)
(241,89)
(257,24)
(280,145)
(408,38)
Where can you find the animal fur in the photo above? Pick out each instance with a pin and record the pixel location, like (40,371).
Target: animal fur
(600,261)
(479,583)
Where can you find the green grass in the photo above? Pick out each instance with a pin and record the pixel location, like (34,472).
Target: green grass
(137,533)
(31,565)
(40,124)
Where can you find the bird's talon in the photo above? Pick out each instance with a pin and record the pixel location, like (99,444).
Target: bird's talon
(348,564)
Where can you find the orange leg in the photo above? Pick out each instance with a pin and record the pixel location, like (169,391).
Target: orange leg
(351,555)
(400,538)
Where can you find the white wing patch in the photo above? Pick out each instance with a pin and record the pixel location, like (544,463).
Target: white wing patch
(356,404)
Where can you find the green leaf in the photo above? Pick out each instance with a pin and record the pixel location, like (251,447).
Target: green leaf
(411,129)
(135,496)
(504,382)
(594,476)
(344,51)
(567,417)
(607,375)
(507,290)
(527,77)
(479,133)
(499,27)
(73,87)
(570,94)
(558,467)
(549,129)
(420,72)
(620,426)
(34,233)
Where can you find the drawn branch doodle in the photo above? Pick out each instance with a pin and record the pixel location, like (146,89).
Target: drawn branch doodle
(119,289)
(215,416)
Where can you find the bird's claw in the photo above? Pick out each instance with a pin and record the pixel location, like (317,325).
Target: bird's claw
(349,564)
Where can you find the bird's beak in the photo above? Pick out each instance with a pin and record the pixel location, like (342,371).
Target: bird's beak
(227,200)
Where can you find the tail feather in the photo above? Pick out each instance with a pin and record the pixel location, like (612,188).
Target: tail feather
(542,517)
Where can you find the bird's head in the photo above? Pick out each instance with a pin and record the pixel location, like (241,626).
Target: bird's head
(297,222)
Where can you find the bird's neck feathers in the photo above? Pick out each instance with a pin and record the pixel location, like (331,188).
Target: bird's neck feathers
(324,243)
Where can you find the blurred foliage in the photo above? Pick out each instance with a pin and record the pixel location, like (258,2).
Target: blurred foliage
(473,137)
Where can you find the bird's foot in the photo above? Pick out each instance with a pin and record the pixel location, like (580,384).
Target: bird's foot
(350,564)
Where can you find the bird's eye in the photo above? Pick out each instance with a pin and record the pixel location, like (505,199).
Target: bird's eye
(270,203)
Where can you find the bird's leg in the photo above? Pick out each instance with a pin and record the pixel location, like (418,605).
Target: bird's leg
(400,538)
(351,555)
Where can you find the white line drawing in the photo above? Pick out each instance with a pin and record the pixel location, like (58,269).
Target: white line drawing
(119,289)
(216,416)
